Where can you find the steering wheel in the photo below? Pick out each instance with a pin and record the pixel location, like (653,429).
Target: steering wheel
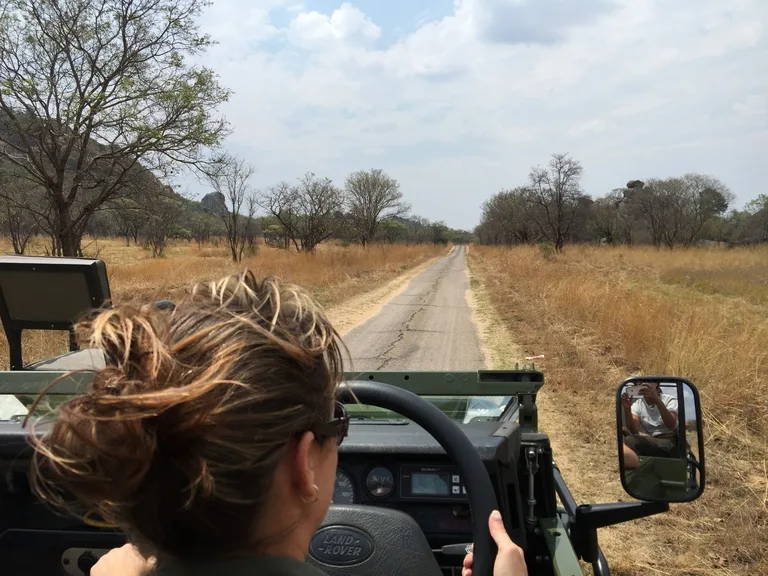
(377,541)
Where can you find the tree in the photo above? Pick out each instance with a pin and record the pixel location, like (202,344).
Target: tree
(393,230)
(508,218)
(96,98)
(677,209)
(418,230)
(706,198)
(373,197)
(16,220)
(556,193)
(164,211)
(128,218)
(604,220)
(309,213)
(202,226)
(229,180)
(439,233)
(658,203)
(756,225)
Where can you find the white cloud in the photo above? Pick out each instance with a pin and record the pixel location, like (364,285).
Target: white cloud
(347,24)
(457,110)
(237,25)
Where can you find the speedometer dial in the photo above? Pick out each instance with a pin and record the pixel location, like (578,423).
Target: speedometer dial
(343,490)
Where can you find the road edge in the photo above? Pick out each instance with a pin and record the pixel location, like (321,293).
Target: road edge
(500,350)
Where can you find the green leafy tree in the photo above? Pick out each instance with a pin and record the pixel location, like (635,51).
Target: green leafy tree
(393,230)
(96,100)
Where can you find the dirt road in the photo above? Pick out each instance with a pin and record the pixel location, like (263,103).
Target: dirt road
(426,326)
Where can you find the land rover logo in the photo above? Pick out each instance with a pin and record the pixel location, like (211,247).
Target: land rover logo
(340,546)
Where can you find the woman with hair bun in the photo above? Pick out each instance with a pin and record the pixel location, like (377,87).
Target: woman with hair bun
(210,439)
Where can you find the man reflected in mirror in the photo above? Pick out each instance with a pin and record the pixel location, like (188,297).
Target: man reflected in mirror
(652,425)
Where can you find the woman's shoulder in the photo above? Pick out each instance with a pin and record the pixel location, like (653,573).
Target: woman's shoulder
(284,567)
(260,566)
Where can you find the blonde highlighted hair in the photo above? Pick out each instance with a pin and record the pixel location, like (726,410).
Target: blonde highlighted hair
(179,439)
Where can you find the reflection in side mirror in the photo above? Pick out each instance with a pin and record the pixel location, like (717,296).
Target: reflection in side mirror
(661,448)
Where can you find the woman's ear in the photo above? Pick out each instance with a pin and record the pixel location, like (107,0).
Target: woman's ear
(305,463)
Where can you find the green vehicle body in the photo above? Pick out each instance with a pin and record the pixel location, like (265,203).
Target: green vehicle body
(563,534)
(444,389)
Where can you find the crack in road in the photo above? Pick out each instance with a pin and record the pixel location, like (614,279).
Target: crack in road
(406,326)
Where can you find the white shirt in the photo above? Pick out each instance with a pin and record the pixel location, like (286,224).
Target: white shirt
(650,416)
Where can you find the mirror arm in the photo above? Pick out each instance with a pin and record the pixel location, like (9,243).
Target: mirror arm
(528,417)
(564,494)
(600,566)
(590,517)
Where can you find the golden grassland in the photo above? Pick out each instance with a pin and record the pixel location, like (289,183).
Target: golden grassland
(334,274)
(601,314)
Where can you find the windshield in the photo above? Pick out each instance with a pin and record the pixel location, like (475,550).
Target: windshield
(15,407)
(460,408)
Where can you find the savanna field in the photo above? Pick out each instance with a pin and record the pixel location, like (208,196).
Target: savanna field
(598,315)
(333,274)
(601,314)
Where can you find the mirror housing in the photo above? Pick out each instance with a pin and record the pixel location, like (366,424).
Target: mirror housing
(658,463)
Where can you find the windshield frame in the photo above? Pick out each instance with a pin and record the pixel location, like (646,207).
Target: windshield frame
(488,395)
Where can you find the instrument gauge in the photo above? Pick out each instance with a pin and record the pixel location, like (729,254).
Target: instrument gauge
(343,489)
(380,482)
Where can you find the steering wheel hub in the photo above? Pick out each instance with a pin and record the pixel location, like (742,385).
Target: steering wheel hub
(339,545)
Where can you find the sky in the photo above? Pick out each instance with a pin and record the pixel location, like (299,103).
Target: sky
(459,99)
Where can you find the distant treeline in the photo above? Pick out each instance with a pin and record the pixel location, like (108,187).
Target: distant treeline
(552,207)
(368,208)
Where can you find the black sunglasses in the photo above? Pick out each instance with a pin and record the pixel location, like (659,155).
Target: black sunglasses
(338,426)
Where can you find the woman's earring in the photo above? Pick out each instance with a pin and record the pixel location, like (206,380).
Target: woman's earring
(313,500)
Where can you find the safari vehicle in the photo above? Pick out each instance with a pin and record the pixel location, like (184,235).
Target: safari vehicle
(428,457)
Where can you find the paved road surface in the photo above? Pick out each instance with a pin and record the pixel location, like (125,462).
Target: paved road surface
(428,326)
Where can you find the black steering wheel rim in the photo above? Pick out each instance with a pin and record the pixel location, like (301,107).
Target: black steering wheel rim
(480,490)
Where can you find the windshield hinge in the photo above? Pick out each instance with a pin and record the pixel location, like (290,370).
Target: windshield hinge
(532,463)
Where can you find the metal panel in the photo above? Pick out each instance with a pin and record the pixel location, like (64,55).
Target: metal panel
(564,559)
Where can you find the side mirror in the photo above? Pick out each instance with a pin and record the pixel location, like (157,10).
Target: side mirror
(660,439)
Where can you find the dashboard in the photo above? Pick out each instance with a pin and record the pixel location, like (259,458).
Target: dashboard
(363,483)
(399,465)
(394,464)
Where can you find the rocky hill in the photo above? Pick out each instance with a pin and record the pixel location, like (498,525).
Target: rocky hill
(215,202)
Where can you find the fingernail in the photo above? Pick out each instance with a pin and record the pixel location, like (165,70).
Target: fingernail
(496,515)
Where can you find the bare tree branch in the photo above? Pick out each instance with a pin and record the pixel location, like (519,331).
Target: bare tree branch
(230,183)
(309,213)
(556,192)
(373,196)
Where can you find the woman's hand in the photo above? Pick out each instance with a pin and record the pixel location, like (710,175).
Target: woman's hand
(123,561)
(510,560)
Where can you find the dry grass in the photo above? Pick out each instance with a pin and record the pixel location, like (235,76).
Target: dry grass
(602,314)
(334,274)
